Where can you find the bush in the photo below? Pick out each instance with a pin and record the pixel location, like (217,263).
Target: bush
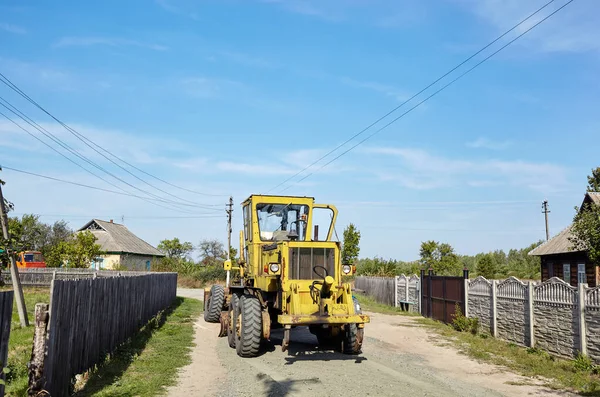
(464,324)
(583,363)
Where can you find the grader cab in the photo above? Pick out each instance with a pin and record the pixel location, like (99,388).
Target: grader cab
(287,277)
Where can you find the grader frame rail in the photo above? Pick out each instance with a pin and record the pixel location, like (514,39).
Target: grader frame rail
(286,277)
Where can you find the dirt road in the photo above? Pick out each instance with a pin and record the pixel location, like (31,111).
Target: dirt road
(399,358)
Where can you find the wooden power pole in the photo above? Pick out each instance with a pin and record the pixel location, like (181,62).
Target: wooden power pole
(229,230)
(14,273)
(546,211)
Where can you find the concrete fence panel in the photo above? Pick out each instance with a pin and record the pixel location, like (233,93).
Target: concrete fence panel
(479,298)
(592,321)
(512,311)
(556,322)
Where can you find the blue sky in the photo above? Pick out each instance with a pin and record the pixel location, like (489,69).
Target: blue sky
(233,97)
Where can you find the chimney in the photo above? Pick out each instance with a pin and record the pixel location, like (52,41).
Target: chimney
(111,221)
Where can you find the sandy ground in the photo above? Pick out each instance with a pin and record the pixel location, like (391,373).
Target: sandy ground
(399,358)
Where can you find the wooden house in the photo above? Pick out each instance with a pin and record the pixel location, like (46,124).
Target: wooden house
(560,259)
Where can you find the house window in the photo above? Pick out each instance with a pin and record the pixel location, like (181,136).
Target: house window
(567,272)
(581,276)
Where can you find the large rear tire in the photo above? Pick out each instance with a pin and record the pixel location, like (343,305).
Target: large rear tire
(248,339)
(214,306)
(233,306)
(352,338)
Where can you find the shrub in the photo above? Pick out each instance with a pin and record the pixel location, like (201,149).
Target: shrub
(462,323)
(583,363)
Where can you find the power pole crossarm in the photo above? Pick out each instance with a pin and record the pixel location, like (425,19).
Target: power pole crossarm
(14,273)
(546,211)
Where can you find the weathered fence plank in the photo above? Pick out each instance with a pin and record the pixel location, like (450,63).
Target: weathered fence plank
(42,277)
(89,318)
(382,289)
(6,304)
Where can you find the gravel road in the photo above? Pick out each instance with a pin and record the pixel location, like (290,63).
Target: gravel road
(399,358)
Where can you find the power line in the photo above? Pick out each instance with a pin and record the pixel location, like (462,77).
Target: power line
(67,147)
(207,216)
(92,145)
(87,186)
(125,192)
(432,95)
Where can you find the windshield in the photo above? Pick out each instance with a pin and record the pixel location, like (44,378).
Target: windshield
(282,221)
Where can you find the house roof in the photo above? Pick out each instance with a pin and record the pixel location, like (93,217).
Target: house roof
(113,237)
(558,244)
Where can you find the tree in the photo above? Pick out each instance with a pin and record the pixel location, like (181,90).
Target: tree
(233,255)
(351,247)
(594,181)
(486,266)
(212,252)
(79,251)
(586,231)
(175,249)
(440,257)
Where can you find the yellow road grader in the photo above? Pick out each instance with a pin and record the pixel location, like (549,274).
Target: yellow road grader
(286,277)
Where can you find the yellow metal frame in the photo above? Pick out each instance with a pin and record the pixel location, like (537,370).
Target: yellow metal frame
(296,303)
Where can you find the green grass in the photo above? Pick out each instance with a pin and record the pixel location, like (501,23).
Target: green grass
(21,341)
(369,304)
(579,375)
(149,361)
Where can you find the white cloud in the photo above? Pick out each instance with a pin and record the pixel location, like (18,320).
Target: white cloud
(169,6)
(573,29)
(205,87)
(418,169)
(246,60)
(484,143)
(385,89)
(7,27)
(254,169)
(107,41)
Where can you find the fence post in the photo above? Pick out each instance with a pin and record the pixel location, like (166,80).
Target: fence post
(36,365)
(494,309)
(531,319)
(407,289)
(429,294)
(396,291)
(466,292)
(582,326)
(421,293)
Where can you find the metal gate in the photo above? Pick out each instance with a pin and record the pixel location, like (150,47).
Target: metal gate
(440,294)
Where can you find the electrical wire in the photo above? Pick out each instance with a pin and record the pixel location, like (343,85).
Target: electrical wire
(91,144)
(432,95)
(7,105)
(86,186)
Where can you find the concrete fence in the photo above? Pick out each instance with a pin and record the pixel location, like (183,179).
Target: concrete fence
(552,315)
(399,291)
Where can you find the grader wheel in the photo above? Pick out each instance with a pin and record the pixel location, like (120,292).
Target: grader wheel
(352,338)
(231,329)
(214,306)
(249,337)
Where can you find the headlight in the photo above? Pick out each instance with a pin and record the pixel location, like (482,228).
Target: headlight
(274,267)
(346,269)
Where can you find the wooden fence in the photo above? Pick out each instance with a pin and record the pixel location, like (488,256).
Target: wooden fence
(88,319)
(6,304)
(41,277)
(382,289)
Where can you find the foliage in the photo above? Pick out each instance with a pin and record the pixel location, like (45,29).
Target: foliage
(440,257)
(594,181)
(516,263)
(175,248)
(461,323)
(212,253)
(189,272)
(78,251)
(351,247)
(583,363)
(586,231)
(486,266)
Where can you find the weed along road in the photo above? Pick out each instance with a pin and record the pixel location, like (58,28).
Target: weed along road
(399,358)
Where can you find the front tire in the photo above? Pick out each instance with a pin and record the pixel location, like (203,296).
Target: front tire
(231,330)
(214,306)
(248,340)
(352,338)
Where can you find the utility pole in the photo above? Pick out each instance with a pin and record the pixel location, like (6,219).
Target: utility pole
(546,211)
(14,273)
(229,230)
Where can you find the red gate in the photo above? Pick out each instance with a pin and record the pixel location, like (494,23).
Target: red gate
(440,294)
